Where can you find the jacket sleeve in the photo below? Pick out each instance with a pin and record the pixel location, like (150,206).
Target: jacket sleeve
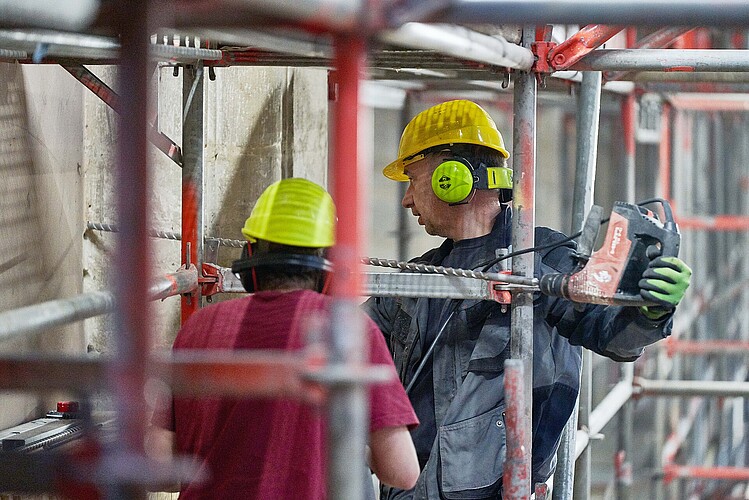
(619,333)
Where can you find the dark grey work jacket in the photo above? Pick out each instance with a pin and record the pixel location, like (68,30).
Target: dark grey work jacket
(468,453)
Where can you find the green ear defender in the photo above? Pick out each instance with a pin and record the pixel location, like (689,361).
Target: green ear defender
(454,179)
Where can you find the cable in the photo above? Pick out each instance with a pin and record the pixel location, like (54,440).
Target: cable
(431,347)
(488,264)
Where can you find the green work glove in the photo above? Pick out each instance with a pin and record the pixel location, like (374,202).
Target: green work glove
(664,283)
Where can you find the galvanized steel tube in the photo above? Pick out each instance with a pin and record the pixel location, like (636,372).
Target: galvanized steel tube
(580,12)
(461,42)
(40,317)
(589,107)
(127,368)
(332,15)
(192,179)
(516,473)
(348,407)
(71,15)
(523,227)
(664,60)
(717,388)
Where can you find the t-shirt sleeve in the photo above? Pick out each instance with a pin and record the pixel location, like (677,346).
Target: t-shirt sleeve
(389,405)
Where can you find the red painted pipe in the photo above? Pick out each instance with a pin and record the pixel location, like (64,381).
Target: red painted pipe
(724,222)
(346,176)
(674,346)
(672,471)
(580,44)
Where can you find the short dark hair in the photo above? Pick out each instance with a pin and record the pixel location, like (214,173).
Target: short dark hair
(270,277)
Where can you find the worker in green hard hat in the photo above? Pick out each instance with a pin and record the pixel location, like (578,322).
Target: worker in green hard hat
(276,448)
(450,353)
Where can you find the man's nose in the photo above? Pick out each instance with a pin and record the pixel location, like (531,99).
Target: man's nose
(408,199)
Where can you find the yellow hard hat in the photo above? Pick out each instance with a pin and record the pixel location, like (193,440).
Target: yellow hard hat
(452,122)
(293,212)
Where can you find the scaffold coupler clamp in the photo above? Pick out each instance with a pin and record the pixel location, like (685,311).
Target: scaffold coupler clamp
(211,281)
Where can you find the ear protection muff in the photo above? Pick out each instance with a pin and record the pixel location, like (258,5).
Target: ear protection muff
(244,268)
(246,274)
(455,179)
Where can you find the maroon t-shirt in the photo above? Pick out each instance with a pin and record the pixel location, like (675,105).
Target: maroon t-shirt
(266,448)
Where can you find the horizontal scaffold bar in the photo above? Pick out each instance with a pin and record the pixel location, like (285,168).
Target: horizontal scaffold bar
(669,60)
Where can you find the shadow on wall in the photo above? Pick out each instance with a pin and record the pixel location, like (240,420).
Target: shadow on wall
(266,151)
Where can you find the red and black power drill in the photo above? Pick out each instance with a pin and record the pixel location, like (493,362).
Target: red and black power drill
(611,274)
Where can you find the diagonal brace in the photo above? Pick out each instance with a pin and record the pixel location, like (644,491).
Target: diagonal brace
(110,97)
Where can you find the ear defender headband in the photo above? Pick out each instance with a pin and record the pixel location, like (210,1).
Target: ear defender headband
(455,179)
(244,268)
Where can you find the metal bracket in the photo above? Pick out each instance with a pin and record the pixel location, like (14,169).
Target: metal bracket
(541,50)
(211,282)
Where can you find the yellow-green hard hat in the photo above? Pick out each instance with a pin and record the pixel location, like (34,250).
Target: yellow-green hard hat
(452,122)
(294,212)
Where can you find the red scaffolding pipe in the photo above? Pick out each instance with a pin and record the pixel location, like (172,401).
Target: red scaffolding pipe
(715,222)
(580,44)
(350,65)
(708,103)
(676,346)
(672,471)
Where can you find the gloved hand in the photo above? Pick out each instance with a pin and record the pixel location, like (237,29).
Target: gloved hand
(664,282)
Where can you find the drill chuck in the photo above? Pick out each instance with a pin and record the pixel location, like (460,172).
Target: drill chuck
(554,284)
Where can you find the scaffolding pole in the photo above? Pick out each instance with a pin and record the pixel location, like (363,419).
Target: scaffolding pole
(461,42)
(73,15)
(523,226)
(581,12)
(659,39)
(330,15)
(516,471)
(646,387)
(132,256)
(348,407)
(41,317)
(192,180)
(570,51)
(668,60)
(589,107)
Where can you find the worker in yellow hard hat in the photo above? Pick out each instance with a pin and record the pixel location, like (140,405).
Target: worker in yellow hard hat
(276,447)
(450,353)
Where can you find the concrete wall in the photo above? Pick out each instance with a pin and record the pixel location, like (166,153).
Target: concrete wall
(40,230)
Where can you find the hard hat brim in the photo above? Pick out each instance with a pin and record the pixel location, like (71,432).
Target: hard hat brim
(394,171)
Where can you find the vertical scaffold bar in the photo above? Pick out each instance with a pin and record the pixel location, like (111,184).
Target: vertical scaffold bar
(623,458)
(131,257)
(589,107)
(516,474)
(192,178)
(629,110)
(348,408)
(523,224)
